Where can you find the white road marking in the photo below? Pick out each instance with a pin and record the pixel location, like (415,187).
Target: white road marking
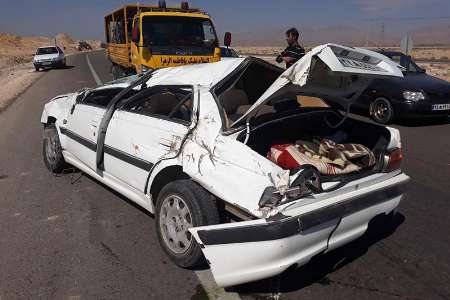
(212,290)
(52,218)
(94,74)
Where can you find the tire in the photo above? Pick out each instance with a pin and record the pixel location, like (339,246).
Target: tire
(176,202)
(381,111)
(52,150)
(37,68)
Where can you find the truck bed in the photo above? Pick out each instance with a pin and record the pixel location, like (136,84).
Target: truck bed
(120,54)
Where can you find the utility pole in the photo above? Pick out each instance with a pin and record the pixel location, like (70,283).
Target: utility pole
(367,34)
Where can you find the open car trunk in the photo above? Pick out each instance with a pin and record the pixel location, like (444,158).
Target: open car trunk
(277,123)
(314,124)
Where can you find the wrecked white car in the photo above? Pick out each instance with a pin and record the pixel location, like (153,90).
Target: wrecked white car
(192,145)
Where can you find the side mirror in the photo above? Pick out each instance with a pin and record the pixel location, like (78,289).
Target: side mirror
(227,39)
(135,35)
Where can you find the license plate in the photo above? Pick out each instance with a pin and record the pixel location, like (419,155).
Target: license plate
(46,63)
(440,106)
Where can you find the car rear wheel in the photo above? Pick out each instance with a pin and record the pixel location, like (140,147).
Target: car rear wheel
(381,111)
(183,204)
(52,150)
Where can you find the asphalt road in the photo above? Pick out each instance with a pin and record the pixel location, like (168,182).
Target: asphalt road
(69,237)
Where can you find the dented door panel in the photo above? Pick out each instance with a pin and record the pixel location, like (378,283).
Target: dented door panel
(81,131)
(134,143)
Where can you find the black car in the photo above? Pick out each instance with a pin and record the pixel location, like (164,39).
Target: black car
(417,94)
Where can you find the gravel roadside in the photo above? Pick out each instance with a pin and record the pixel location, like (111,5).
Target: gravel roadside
(14,80)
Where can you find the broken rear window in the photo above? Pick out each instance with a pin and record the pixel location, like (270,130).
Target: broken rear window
(241,90)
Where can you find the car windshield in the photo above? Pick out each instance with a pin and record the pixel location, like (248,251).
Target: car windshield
(47,50)
(178,31)
(406,62)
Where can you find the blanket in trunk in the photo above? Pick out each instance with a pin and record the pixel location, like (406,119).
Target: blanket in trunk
(327,156)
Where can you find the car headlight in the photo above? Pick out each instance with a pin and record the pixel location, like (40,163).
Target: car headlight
(413,96)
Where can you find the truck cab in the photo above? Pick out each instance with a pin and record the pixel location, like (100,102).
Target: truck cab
(142,38)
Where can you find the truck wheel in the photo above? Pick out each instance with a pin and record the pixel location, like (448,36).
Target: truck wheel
(52,150)
(381,111)
(183,204)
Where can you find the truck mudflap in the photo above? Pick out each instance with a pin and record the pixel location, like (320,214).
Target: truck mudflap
(246,251)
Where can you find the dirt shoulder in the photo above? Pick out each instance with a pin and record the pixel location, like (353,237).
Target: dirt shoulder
(14,80)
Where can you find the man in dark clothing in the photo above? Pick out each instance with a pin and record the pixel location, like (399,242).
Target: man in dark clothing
(294,51)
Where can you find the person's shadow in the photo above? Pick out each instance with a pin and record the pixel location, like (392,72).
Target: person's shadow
(320,266)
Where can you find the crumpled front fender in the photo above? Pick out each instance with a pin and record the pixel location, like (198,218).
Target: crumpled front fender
(58,107)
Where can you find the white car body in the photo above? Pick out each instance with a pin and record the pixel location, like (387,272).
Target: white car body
(57,58)
(139,150)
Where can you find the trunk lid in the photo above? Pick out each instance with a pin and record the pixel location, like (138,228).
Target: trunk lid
(351,69)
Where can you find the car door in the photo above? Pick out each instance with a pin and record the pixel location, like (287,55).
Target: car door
(83,123)
(149,128)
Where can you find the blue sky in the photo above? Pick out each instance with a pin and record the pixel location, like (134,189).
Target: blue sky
(83,18)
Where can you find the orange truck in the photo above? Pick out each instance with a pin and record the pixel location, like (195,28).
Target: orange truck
(144,37)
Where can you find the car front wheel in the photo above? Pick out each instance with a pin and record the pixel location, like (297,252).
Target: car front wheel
(52,150)
(381,111)
(183,204)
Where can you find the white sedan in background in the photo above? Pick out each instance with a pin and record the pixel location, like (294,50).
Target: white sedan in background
(49,57)
(189,145)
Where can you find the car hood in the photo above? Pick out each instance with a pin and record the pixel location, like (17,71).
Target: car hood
(359,65)
(421,81)
(46,56)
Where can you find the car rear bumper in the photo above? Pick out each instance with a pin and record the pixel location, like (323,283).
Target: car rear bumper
(247,251)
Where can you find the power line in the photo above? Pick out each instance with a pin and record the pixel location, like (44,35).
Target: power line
(381,19)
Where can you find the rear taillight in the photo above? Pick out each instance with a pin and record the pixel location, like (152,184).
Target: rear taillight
(393,160)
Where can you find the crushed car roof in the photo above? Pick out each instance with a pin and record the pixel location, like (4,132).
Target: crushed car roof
(199,74)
